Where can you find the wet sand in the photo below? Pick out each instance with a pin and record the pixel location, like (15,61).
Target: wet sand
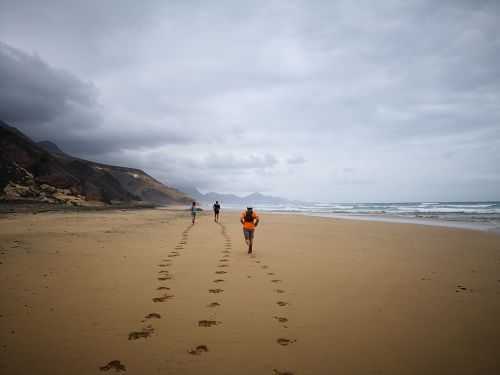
(144,292)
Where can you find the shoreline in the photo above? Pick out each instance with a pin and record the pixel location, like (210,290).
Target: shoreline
(482,227)
(38,208)
(475,226)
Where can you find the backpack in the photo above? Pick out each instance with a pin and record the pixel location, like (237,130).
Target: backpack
(249,216)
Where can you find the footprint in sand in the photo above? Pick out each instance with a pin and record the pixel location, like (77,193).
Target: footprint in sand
(143,334)
(282,303)
(460,288)
(198,350)
(163,271)
(222,265)
(285,342)
(163,288)
(213,304)
(257,261)
(173,255)
(226,252)
(264,267)
(276,281)
(163,298)
(217,290)
(151,316)
(279,291)
(281,319)
(220,272)
(218,281)
(270,273)
(208,323)
(278,372)
(163,265)
(113,365)
(223,260)
(163,278)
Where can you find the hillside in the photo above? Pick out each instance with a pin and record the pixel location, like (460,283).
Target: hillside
(41,172)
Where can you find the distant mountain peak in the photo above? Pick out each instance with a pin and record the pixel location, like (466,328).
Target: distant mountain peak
(255,195)
(253,198)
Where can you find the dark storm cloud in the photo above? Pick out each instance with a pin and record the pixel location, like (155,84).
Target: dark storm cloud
(50,103)
(33,92)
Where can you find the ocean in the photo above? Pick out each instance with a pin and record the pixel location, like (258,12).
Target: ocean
(473,215)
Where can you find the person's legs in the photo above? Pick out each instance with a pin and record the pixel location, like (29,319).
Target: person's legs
(246,233)
(248,238)
(194,217)
(217,216)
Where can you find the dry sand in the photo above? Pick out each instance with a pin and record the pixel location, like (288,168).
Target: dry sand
(358,297)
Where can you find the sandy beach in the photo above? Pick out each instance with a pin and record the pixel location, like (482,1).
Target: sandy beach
(147,292)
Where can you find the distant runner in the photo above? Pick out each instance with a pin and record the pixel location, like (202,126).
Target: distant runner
(250,220)
(193,211)
(216,211)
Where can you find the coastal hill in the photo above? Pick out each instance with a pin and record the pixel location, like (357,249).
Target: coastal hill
(42,172)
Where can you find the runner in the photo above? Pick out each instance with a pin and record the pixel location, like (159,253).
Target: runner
(250,220)
(193,211)
(216,211)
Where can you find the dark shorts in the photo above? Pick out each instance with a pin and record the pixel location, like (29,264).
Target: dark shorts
(248,233)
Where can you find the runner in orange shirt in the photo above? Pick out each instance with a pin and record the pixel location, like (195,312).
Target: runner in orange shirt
(250,220)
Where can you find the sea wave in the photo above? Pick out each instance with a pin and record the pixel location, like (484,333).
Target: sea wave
(452,211)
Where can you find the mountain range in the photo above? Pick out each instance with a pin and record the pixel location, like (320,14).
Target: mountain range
(42,172)
(232,199)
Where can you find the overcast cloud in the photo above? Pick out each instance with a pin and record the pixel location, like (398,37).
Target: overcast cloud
(314,100)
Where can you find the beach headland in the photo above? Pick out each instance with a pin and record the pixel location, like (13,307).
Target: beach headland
(144,291)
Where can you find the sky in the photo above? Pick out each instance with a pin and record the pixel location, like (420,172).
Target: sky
(333,101)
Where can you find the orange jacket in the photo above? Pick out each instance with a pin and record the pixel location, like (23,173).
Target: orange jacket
(246,224)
